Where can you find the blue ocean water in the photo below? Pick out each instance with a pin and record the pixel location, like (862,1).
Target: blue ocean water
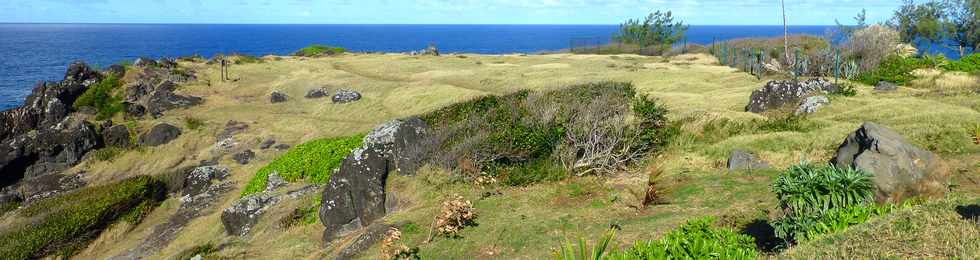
(30,53)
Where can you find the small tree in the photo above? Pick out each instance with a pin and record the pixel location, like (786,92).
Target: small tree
(964,24)
(658,29)
(920,22)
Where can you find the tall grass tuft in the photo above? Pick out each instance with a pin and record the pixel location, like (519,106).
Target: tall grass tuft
(582,251)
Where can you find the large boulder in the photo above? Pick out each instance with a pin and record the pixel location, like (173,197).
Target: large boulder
(54,149)
(885,86)
(278,97)
(117,136)
(779,93)
(346,96)
(159,134)
(46,186)
(901,170)
(743,160)
(163,98)
(355,197)
(239,219)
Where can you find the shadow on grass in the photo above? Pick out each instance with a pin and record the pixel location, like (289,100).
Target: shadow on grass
(969,212)
(764,234)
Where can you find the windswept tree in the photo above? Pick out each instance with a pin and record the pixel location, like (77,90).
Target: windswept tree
(920,22)
(658,29)
(964,24)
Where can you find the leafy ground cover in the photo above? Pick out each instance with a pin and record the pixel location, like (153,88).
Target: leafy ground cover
(312,161)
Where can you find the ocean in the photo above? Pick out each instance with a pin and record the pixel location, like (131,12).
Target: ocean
(30,53)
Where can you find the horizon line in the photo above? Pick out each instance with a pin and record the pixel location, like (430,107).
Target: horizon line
(388,24)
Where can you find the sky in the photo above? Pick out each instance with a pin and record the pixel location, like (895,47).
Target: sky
(697,12)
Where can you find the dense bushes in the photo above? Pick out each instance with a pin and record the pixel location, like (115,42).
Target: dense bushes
(895,69)
(695,240)
(967,64)
(62,225)
(528,137)
(102,97)
(871,45)
(822,199)
(318,50)
(314,161)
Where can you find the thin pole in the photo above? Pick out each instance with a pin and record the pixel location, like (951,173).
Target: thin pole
(785,31)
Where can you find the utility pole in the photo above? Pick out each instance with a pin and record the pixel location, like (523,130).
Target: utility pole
(785,31)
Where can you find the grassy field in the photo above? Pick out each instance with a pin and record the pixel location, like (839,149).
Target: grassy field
(936,112)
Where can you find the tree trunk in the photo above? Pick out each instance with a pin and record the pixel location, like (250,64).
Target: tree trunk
(785,32)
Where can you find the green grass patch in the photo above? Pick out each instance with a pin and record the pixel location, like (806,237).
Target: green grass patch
(108,153)
(193,123)
(695,240)
(312,161)
(62,225)
(102,97)
(318,50)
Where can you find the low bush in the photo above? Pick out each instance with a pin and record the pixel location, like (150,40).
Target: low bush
(240,59)
(318,50)
(457,213)
(102,97)
(527,137)
(895,69)
(695,240)
(193,123)
(63,224)
(821,199)
(871,45)
(968,64)
(313,161)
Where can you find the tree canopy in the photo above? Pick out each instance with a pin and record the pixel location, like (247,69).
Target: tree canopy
(659,28)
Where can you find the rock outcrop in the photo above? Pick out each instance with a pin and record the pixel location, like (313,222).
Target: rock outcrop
(117,136)
(355,197)
(743,160)
(160,134)
(885,86)
(244,157)
(901,170)
(810,105)
(344,96)
(278,97)
(779,93)
(317,93)
(239,219)
(153,90)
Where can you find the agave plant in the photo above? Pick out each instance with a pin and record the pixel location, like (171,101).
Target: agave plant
(568,251)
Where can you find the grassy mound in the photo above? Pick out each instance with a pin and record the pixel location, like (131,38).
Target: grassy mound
(62,225)
(938,229)
(318,50)
(527,137)
(695,240)
(313,161)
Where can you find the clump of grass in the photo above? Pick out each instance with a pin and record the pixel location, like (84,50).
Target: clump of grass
(976,133)
(193,123)
(61,225)
(306,215)
(102,97)
(108,153)
(318,50)
(8,207)
(822,199)
(246,59)
(695,240)
(313,161)
(202,250)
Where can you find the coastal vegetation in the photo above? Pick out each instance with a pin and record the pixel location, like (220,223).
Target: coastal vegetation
(103,97)
(312,162)
(316,50)
(658,30)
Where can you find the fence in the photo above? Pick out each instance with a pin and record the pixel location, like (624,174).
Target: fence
(825,63)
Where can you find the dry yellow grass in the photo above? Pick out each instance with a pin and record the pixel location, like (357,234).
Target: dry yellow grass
(522,223)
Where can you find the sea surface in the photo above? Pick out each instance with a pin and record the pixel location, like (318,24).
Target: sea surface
(30,53)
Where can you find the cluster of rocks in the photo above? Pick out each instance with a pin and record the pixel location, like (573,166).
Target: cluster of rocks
(341,97)
(152,92)
(780,93)
(355,197)
(431,50)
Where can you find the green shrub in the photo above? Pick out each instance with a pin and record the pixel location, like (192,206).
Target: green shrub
(63,224)
(102,97)
(821,199)
(528,137)
(318,50)
(246,59)
(895,69)
(968,64)
(695,240)
(313,161)
(846,89)
(193,123)
(568,251)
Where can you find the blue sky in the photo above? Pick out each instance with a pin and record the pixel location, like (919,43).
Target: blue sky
(740,12)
